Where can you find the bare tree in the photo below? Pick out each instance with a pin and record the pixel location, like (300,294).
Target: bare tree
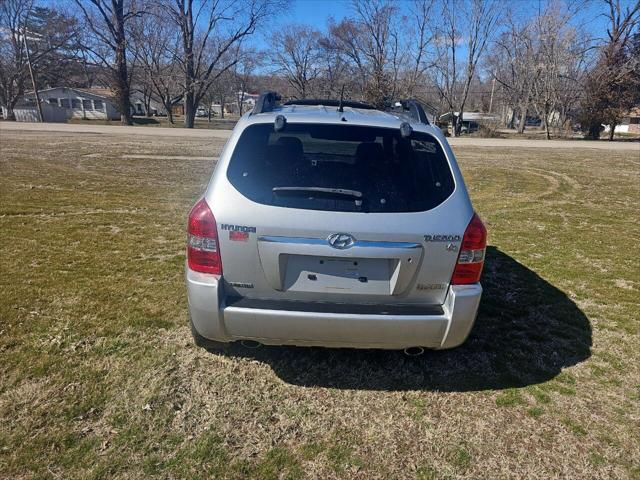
(555,64)
(622,23)
(106,22)
(334,70)
(453,77)
(612,86)
(419,60)
(548,65)
(156,40)
(510,64)
(539,63)
(380,46)
(343,44)
(220,91)
(372,48)
(296,55)
(242,73)
(44,32)
(209,31)
(145,89)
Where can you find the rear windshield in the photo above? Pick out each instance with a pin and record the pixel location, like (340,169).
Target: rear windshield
(340,168)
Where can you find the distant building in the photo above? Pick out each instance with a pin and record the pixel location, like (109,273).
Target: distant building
(634,120)
(63,103)
(630,122)
(231,108)
(470,120)
(137,100)
(177,108)
(216,109)
(248,100)
(25,110)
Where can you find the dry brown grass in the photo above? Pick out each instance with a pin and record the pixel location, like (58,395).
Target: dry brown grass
(99,377)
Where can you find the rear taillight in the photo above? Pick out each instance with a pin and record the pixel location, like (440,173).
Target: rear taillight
(203,250)
(471,258)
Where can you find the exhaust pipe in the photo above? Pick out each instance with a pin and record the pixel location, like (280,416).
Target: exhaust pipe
(251,344)
(413,351)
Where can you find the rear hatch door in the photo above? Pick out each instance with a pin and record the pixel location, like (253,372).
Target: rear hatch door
(338,214)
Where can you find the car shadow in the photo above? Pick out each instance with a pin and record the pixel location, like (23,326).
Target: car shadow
(526,332)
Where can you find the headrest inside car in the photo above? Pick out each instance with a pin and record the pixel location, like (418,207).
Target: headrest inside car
(368,153)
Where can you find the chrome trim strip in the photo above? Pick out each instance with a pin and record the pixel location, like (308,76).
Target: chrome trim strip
(321,241)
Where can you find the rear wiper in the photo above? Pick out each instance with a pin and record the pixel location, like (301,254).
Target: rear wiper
(343,192)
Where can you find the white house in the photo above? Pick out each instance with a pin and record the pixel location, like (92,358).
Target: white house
(630,123)
(93,103)
(138,105)
(248,99)
(248,102)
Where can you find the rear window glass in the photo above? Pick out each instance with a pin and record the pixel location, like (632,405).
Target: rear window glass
(340,168)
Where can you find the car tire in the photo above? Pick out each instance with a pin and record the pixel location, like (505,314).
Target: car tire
(210,345)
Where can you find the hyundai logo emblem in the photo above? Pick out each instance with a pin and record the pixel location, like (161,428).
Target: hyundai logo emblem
(341,240)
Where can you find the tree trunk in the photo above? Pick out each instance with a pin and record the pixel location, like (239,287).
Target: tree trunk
(594,131)
(222,107)
(123,94)
(545,120)
(612,131)
(454,121)
(512,119)
(167,107)
(189,99)
(523,120)
(11,104)
(241,99)
(147,105)
(459,121)
(189,110)
(165,98)
(564,119)
(123,102)
(10,113)
(122,74)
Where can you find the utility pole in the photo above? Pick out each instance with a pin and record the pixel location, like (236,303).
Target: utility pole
(493,86)
(33,78)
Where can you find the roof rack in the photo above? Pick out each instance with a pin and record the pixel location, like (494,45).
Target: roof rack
(412,110)
(327,102)
(266,102)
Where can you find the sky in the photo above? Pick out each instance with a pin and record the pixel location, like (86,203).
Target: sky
(316,12)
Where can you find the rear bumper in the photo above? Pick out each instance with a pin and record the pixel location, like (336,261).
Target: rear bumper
(280,324)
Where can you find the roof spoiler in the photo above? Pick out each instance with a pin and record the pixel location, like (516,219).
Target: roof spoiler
(266,102)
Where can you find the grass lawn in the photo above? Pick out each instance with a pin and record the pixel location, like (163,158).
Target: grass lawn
(99,377)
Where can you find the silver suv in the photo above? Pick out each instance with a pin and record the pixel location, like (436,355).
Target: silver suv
(335,224)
